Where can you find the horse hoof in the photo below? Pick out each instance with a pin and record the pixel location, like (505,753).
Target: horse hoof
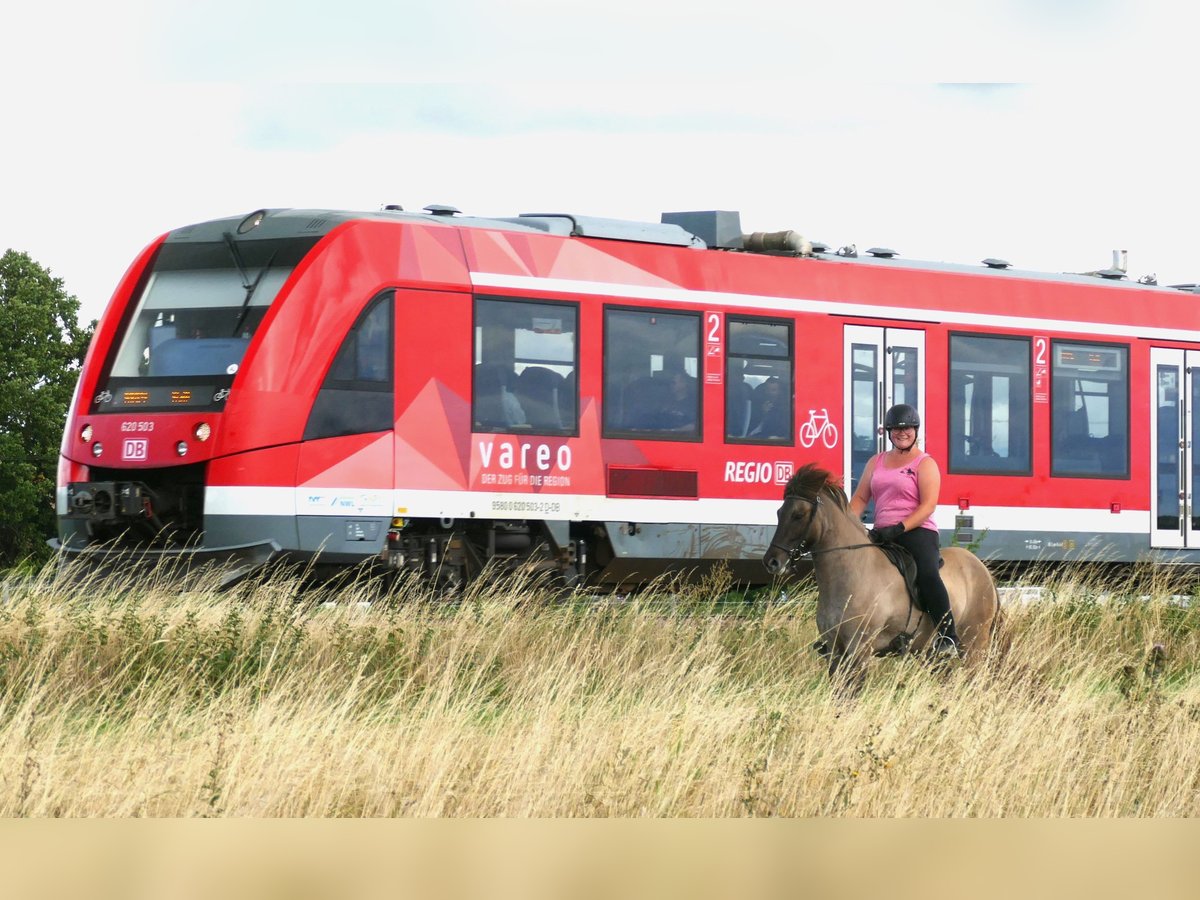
(822,647)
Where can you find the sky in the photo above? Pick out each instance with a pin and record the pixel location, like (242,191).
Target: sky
(1046,132)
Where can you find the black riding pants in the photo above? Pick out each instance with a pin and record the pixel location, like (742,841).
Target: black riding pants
(922,543)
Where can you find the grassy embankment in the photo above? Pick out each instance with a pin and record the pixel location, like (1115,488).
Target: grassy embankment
(130,699)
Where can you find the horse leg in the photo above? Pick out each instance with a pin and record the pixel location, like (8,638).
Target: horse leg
(847,672)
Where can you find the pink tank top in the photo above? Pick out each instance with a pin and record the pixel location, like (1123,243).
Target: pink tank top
(896,493)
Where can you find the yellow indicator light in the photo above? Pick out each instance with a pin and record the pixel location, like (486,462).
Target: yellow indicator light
(133,398)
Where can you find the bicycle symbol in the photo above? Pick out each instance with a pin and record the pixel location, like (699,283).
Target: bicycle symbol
(818,426)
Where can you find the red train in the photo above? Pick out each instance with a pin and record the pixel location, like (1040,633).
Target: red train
(612,399)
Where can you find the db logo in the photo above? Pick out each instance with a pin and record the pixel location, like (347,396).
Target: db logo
(135,448)
(757,472)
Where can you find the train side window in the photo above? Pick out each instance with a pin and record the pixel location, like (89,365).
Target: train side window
(525,363)
(651,361)
(990,410)
(357,394)
(1089,410)
(759,398)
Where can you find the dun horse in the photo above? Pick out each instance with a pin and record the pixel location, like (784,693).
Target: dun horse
(863,607)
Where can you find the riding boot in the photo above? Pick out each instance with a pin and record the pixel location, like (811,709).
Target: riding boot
(947,645)
(946,628)
(947,633)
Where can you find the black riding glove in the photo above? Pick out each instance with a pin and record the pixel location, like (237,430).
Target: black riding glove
(887,534)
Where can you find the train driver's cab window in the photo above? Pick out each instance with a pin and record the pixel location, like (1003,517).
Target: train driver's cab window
(651,386)
(758,383)
(357,395)
(989,404)
(1089,410)
(198,309)
(525,364)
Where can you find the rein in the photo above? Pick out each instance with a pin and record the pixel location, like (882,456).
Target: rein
(801,549)
(846,547)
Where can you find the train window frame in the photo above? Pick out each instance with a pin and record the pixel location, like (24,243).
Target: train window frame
(273,259)
(1059,425)
(642,384)
(747,416)
(956,464)
(509,403)
(357,404)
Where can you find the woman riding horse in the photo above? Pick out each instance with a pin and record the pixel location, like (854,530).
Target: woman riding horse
(863,604)
(905,482)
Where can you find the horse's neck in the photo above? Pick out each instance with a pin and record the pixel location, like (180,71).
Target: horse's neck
(833,570)
(842,529)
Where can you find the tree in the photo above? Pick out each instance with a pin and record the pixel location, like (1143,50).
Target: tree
(41,349)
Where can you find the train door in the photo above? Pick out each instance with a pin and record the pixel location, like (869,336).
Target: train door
(884,366)
(1174,396)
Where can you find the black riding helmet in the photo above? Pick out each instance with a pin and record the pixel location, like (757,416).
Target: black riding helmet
(901,416)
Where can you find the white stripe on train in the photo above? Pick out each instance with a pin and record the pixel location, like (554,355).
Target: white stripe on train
(350,502)
(792,304)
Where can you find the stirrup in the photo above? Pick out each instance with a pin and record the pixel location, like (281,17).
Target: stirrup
(945,648)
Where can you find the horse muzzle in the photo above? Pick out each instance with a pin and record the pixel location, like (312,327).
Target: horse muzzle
(774,563)
(777,559)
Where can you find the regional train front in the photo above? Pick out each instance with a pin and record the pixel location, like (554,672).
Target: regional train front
(165,367)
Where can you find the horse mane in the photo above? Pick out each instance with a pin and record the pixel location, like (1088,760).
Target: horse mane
(811,482)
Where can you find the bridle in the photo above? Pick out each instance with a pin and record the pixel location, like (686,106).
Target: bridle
(802,549)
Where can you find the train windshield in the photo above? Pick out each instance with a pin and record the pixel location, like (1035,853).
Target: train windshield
(199,307)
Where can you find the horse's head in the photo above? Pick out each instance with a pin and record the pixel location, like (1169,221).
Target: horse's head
(800,520)
(791,537)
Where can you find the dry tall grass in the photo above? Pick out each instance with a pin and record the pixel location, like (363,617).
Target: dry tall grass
(130,699)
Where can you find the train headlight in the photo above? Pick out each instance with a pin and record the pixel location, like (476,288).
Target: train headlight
(97,448)
(251,221)
(181,448)
(85,433)
(203,432)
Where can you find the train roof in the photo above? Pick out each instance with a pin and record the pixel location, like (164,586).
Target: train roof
(716,230)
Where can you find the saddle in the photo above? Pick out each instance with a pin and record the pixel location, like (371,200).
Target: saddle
(903,561)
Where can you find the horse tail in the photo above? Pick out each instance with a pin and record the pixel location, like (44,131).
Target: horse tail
(1001,637)
(999,614)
